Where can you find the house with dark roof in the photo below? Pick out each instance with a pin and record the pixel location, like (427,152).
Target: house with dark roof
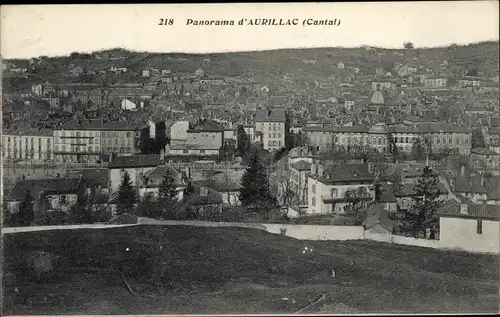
(46,194)
(470,185)
(152,179)
(377,220)
(274,126)
(333,189)
(298,180)
(203,203)
(470,227)
(136,166)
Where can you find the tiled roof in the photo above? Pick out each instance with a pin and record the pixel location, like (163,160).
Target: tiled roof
(301,165)
(36,186)
(469,184)
(155,176)
(139,160)
(477,211)
(377,215)
(98,125)
(275,115)
(409,190)
(91,176)
(214,145)
(431,127)
(346,173)
(337,129)
(388,194)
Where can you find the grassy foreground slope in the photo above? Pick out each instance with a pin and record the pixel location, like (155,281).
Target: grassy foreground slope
(201,270)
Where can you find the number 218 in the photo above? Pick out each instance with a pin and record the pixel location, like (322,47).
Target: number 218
(166,22)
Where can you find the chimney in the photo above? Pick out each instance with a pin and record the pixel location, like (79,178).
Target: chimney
(187,170)
(464,209)
(370,167)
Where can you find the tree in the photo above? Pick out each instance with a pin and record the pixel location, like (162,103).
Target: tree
(377,185)
(26,214)
(254,192)
(422,215)
(148,207)
(126,196)
(477,139)
(243,141)
(408,45)
(167,196)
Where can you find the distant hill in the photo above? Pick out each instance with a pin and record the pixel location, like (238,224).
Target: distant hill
(268,66)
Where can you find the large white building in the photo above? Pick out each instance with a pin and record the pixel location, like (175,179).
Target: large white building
(87,141)
(272,125)
(31,145)
(470,227)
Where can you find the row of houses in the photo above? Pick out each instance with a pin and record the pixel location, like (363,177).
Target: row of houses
(146,172)
(383,138)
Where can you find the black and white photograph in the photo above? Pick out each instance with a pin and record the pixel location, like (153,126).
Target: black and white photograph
(250,159)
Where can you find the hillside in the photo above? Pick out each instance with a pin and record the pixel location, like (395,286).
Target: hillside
(191,270)
(267,66)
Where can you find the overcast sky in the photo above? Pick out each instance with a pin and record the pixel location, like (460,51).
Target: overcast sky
(28,31)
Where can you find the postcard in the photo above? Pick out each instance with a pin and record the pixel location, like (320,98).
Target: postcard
(250,159)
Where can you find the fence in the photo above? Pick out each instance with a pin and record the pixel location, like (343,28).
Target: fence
(301,232)
(7,230)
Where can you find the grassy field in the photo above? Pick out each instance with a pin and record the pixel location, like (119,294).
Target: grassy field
(198,270)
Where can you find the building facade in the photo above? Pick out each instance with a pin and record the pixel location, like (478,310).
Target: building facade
(272,124)
(94,140)
(36,146)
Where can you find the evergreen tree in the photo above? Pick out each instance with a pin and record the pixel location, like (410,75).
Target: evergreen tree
(243,141)
(418,150)
(167,196)
(254,191)
(26,214)
(126,196)
(421,216)
(377,184)
(477,139)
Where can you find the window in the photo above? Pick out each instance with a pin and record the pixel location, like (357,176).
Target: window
(334,192)
(185,151)
(279,135)
(404,203)
(129,134)
(314,201)
(479,226)
(202,151)
(270,128)
(406,140)
(63,199)
(313,188)
(90,149)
